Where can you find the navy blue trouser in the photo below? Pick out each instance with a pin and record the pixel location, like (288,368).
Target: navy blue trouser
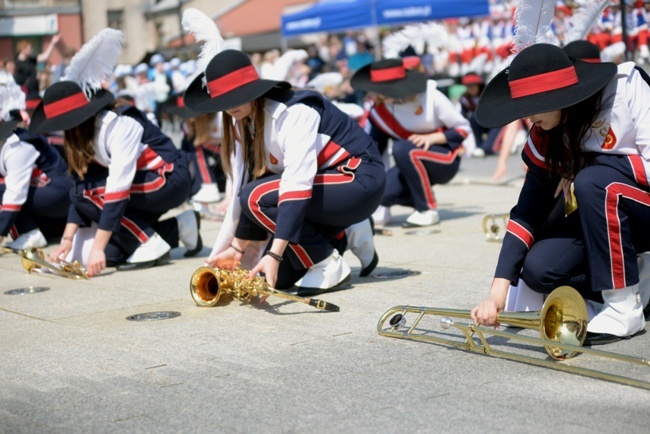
(338,200)
(416,170)
(141,216)
(615,214)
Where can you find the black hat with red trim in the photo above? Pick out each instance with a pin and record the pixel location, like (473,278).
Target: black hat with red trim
(229,80)
(540,79)
(79,96)
(65,106)
(583,50)
(389,77)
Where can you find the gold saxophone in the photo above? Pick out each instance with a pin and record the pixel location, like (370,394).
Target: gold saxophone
(34,258)
(207,285)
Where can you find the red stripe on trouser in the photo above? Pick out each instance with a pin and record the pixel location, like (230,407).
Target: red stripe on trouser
(203,166)
(417,156)
(639,169)
(614,192)
(266,222)
(128,224)
(14,232)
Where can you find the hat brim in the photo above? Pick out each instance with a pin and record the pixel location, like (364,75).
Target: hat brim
(41,124)
(415,82)
(197,99)
(496,107)
(6,129)
(182,112)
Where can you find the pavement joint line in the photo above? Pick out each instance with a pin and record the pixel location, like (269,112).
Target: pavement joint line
(28,316)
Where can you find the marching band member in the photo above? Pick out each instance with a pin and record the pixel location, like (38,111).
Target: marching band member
(302,172)
(34,183)
(591,129)
(429,135)
(127,172)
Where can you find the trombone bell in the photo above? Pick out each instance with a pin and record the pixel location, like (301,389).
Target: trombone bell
(494,226)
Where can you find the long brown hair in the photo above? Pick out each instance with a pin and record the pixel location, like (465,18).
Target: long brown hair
(564,155)
(200,127)
(254,154)
(78,141)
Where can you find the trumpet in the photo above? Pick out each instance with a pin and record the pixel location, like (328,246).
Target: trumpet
(562,324)
(34,259)
(207,285)
(491,226)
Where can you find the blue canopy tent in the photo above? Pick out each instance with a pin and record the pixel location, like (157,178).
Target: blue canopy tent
(332,15)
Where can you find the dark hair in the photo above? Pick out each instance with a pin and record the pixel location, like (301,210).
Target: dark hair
(563,153)
(253,151)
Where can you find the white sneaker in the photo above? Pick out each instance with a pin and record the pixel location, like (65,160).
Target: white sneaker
(28,240)
(361,242)
(326,275)
(208,193)
(478,153)
(153,249)
(382,215)
(423,218)
(622,314)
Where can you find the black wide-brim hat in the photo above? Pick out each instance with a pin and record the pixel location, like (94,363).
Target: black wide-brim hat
(176,106)
(231,80)
(540,79)
(65,106)
(6,128)
(389,77)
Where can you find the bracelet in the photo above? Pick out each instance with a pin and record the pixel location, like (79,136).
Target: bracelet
(238,250)
(67,238)
(274,256)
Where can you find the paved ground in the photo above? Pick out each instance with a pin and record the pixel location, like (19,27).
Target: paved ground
(70,362)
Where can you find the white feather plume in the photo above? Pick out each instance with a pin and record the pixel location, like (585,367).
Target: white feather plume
(95,61)
(205,30)
(11,96)
(582,20)
(532,22)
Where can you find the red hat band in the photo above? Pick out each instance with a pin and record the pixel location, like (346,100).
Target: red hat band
(540,83)
(387,74)
(232,81)
(65,105)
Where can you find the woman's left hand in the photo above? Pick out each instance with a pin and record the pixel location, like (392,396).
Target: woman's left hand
(269,266)
(425,141)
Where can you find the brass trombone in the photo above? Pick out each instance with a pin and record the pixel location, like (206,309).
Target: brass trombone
(562,324)
(493,224)
(207,285)
(34,258)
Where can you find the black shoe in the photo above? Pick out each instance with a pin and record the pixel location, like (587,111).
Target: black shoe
(199,243)
(646,312)
(130,266)
(606,338)
(371,267)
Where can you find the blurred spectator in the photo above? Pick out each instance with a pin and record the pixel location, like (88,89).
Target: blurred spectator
(59,70)
(27,66)
(361,57)
(314,61)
